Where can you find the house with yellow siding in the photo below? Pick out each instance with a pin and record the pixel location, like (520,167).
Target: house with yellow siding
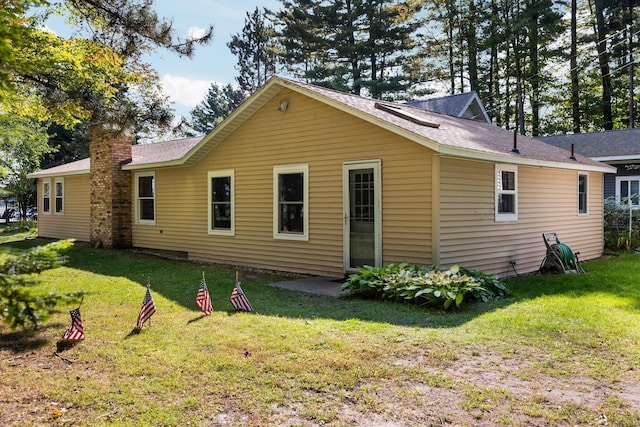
(305,179)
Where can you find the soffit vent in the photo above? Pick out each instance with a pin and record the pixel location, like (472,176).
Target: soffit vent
(398,111)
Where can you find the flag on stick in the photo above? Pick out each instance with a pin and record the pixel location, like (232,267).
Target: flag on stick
(76,330)
(238,299)
(203,300)
(148,307)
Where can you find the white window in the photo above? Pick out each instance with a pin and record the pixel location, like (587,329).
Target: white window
(146,198)
(583,194)
(628,190)
(59,204)
(291,202)
(506,206)
(221,202)
(46,196)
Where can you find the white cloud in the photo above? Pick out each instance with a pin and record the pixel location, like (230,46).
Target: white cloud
(184,91)
(195,32)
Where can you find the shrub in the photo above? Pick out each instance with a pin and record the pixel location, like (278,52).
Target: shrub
(621,227)
(18,306)
(424,285)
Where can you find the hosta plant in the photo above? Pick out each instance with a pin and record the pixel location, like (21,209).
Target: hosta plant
(424,285)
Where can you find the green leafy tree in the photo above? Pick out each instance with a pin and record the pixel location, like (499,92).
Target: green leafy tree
(68,145)
(97,74)
(23,143)
(219,102)
(19,307)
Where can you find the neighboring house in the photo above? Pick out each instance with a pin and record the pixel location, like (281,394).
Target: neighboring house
(304,179)
(618,148)
(465,105)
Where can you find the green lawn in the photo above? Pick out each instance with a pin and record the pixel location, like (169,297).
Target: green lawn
(562,351)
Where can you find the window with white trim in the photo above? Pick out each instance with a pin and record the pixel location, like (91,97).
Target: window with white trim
(583,194)
(146,198)
(221,202)
(46,196)
(506,203)
(628,190)
(59,196)
(291,202)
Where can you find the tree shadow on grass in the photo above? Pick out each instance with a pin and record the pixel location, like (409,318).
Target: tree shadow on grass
(179,280)
(26,340)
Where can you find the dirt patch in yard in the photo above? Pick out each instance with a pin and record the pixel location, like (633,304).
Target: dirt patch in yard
(477,387)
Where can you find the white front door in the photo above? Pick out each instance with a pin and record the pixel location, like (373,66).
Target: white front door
(362,211)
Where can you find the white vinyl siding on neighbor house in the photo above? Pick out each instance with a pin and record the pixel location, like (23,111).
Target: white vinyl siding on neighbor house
(46,196)
(291,202)
(221,210)
(145,198)
(583,194)
(628,190)
(59,196)
(506,193)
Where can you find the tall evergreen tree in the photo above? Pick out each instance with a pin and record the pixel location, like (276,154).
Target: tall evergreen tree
(255,50)
(351,45)
(219,102)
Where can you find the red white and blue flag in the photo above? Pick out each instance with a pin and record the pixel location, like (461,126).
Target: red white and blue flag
(147,309)
(239,300)
(76,330)
(203,299)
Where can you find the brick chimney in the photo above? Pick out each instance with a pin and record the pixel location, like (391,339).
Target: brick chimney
(111,188)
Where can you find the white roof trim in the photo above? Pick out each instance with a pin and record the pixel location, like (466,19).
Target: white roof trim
(36,175)
(634,157)
(476,98)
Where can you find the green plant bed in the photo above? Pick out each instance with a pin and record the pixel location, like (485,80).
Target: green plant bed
(431,286)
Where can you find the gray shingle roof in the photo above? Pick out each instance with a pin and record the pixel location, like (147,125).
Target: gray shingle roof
(606,144)
(166,151)
(457,136)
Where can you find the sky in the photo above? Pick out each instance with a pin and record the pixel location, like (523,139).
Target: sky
(186,80)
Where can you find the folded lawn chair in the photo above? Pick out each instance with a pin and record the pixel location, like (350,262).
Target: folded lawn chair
(559,258)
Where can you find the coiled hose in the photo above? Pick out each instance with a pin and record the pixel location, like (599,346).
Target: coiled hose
(566,256)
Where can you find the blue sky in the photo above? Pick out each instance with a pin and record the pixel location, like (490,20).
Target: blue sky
(187,80)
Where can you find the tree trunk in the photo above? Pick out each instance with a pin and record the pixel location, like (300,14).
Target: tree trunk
(603,61)
(575,92)
(472,47)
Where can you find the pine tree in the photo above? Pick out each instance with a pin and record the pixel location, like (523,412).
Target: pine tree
(219,102)
(255,52)
(351,45)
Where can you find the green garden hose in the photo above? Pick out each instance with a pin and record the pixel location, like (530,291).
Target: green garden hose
(566,256)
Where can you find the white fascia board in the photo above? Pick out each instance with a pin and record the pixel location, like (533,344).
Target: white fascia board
(37,175)
(627,157)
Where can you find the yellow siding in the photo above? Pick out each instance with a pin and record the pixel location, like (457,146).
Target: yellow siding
(308,133)
(74,222)
(547,202)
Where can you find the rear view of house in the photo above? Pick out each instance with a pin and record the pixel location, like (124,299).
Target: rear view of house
(309,180)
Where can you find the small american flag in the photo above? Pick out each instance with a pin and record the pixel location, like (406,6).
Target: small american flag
(239,300)
(203,300)
(147,309)
(76,330)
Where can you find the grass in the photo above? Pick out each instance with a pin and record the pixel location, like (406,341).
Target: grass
(562,351)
